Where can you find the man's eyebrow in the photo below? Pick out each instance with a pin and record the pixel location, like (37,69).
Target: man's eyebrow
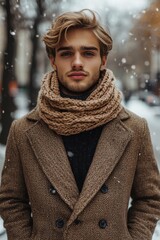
(64,48)
(88,48)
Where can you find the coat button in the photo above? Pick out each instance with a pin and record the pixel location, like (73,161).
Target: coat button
(102,223)
(60,223)
(77,221)
(52,190)
(104,188)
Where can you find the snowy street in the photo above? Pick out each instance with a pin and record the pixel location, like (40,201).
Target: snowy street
(152,114)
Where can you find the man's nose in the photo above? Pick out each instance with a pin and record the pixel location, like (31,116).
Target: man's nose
(77,61)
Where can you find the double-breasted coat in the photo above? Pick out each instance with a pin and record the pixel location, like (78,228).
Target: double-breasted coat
(39,198)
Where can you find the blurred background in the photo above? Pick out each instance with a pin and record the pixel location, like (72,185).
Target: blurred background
(135,58)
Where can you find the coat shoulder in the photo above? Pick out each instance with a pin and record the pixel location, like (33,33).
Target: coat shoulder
(134,121)
(27,121)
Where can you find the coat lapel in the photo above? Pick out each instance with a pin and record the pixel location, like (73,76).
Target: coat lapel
(113,141)
(50,152)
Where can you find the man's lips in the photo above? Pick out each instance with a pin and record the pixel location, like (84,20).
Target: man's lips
(77,74)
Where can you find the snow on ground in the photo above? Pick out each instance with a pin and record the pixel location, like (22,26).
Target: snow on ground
(2,153)
(142,109)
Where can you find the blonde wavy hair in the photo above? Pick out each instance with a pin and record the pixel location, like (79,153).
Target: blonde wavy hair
(75,20)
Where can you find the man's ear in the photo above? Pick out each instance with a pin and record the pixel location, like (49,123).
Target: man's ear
(103,62)
(52,61)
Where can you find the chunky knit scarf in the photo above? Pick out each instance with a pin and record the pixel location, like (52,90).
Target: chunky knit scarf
(71,116)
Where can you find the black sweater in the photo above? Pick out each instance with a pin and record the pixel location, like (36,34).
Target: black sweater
(80,150)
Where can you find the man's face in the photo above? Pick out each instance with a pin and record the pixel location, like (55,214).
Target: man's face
(78,61)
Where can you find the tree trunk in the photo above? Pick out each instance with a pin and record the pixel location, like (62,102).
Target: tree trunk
(32,86)
(7,106)
(33,91)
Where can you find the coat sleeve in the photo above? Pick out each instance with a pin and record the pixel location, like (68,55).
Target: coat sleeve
(145,206)
(14,203)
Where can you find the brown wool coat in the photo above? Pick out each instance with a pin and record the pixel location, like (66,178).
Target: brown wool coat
(39,199)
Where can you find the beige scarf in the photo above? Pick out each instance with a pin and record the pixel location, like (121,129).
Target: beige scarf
(71,116)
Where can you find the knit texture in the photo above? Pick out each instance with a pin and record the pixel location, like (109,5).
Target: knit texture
(71,116)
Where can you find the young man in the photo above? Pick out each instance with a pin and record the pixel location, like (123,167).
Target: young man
(73,163)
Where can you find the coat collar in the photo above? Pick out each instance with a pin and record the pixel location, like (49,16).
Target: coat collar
(33,115)
(50,152)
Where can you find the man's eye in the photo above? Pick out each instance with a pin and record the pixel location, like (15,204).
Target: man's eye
(66,54)
(88,54)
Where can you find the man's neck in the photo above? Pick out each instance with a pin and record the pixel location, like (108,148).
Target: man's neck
(76,95)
